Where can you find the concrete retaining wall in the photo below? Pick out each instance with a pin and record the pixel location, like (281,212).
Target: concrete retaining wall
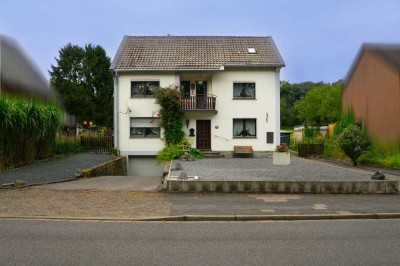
(338,187)
(115,167)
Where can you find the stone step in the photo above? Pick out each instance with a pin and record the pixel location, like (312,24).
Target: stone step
(212,154)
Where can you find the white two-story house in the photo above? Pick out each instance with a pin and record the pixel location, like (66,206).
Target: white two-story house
(231,89)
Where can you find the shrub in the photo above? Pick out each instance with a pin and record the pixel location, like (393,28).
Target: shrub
(68,145)
(353,142)
(170,152)
(196,153)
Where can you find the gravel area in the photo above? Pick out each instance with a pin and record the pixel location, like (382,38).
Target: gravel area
(263,169)
(56,203)
(55,170)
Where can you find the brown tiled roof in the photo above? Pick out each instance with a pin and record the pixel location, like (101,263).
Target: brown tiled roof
(195,53)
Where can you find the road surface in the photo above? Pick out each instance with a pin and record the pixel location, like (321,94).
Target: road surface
(346,242)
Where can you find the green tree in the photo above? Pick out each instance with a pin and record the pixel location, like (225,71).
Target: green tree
(290,94)
(321,105)
(83,79)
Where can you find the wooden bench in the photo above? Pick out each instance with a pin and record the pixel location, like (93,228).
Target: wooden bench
(243,150)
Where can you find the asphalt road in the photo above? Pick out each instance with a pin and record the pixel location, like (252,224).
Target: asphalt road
(357,242)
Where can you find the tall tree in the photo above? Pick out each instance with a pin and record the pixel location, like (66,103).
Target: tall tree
(321,105)
(83,79)
(290,94)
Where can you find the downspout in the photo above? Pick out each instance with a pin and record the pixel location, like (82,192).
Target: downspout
(277,140)
(116,110)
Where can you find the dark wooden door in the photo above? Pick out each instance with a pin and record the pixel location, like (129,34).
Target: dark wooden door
(203,140)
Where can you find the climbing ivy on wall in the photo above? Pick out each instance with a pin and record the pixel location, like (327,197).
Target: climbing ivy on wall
(171,117)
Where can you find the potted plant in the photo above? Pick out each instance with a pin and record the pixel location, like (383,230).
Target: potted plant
(281,156)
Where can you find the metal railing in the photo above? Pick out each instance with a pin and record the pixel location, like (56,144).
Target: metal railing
(95,144)
(198,102)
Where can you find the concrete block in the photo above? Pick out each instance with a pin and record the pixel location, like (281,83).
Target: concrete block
(392,187)
(259,217)
(8,185)
(307,217)
(20,183)
(388,215)
(210,217)
(354,216)
(218,186)
(247,186)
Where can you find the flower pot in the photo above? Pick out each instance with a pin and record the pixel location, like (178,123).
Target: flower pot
(281,158)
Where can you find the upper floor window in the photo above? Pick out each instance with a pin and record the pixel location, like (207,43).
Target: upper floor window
(145,127)
(244,90)
(143,88)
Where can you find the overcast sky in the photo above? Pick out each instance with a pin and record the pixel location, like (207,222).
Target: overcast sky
(318,39)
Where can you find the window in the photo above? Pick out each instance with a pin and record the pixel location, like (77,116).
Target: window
(143,88)
(244,128)
(185,87)
(251,50)
(145,127)
(244,90)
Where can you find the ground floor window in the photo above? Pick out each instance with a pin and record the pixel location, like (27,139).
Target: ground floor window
(244,128)
(145,128)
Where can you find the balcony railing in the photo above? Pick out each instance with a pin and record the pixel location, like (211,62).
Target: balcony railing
(198,102)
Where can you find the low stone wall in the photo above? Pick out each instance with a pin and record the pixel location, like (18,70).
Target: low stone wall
(334,187)
(115,167)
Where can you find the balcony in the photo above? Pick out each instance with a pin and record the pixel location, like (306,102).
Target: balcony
(198,103)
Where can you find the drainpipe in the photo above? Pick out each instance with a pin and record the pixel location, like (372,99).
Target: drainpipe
(116,110)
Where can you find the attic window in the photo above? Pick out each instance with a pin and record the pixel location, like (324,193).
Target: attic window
(251,50)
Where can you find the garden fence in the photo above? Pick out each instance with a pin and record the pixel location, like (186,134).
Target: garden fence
(96,144)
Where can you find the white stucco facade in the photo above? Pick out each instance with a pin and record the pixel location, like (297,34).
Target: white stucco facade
(265,108)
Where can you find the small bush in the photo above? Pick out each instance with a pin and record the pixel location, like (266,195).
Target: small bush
(170,152)
(196,153)
(68,145)
(353,142)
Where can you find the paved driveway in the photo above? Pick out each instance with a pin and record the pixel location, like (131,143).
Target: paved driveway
(263,169)
(54,171)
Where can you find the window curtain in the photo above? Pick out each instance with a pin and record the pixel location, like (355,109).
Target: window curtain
(237,127)
(251,127)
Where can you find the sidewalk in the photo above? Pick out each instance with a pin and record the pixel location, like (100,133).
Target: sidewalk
(93,204)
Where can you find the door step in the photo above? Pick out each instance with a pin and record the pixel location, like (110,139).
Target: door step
(212,154)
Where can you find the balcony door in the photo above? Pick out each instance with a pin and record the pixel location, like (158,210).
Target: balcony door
(203,139)
(201,95)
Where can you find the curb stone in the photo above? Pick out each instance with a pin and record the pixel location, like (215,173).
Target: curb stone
(189,218)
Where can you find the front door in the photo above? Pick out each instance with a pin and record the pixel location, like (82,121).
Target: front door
(203,140)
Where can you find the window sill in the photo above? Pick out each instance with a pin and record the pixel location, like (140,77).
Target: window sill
(142,96)
(142,137)
(244,99)
(244,138)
